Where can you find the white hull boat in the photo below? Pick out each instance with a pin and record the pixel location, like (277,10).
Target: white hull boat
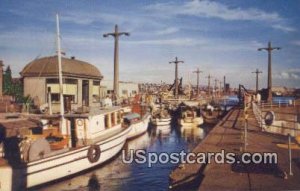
(138,126)
(161,121)
(191,122)
(97,140)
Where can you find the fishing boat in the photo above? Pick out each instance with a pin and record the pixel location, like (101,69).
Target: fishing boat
(161,118)
(65,144)
(138,124)
(190,116)
(211,114)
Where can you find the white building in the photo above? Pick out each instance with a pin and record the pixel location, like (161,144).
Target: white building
(81,82)
(126,89)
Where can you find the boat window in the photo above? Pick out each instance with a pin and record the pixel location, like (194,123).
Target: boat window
(118,117)
(113,121)
(106,121)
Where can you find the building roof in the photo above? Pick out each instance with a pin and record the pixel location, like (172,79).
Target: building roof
(48,67)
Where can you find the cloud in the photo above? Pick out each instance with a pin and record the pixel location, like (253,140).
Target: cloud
(296,42)
(168,42)
(284,28)
(166,31)
(289,74)
(213,9)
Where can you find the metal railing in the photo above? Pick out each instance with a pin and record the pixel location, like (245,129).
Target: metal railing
(280,103)
(292,126)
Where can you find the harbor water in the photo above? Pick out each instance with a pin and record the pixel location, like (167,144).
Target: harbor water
(116,175)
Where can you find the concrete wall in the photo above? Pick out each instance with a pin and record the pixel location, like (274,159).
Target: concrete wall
(36,88)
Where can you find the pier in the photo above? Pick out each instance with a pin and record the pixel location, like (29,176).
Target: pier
(229,134)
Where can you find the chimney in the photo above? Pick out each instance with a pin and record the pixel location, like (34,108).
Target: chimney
(1,77)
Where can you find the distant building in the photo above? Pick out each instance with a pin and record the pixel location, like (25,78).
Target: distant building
(126,89)
(81,82)
(279,90)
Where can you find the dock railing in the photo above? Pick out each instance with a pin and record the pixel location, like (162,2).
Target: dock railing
(284,122)
(280,103)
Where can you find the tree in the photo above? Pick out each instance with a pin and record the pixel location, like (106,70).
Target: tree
(7,82)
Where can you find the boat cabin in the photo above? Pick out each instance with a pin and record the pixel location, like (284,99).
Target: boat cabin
(131,118)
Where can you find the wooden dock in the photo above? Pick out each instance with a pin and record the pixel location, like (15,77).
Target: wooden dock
(228,134)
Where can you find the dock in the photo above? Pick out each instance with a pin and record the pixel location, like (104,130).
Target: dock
(228,134)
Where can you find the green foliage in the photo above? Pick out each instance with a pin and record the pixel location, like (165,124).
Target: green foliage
(10,87)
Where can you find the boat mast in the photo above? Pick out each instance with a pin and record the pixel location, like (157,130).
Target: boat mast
(62,124)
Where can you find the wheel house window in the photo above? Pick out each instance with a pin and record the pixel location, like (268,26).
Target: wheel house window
(70,87)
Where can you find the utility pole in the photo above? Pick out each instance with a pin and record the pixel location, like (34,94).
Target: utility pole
(216,86)
(197,72)
(269,49)
(116,35)
(257,72)
(176,62)
(220,83)
(216,82)
(224,83)
(208,87)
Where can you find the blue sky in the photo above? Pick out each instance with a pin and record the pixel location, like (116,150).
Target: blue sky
(219,37)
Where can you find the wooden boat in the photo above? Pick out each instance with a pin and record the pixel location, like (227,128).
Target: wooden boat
(163,129)
(75,143)
(137,124)
(189,117)
(161,118)
(211,114)
(94,138)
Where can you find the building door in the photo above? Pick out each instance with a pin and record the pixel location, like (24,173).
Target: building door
(85,93)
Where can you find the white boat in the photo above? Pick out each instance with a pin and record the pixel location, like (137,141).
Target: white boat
(190,118)
(161,117)
(163,129)
(97,138)
(77,143)
(137,124)
(161,121)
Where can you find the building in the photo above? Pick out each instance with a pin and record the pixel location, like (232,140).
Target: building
(126,89)
(81,82)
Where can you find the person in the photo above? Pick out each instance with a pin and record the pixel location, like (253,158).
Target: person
(107,102)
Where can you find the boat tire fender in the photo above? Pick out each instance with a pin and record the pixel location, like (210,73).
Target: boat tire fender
(94,153)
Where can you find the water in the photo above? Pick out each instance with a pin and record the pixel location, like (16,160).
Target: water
(283,99)
(116,175)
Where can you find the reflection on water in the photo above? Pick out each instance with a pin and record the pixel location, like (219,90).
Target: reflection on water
(116,175)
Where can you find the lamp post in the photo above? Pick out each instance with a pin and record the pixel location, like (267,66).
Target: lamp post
(197,72)
(257,72)
(116,35)
(269,49)
(176,62)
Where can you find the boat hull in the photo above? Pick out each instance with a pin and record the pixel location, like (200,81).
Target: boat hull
(61,165)
(139,128)
(161,121)
(191,122)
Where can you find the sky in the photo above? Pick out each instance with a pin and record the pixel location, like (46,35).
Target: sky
(218,37)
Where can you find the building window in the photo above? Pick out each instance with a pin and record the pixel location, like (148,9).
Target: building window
(124,92)
(133,92)
(70,87)
(96,91)
(96,83)
(55,98)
